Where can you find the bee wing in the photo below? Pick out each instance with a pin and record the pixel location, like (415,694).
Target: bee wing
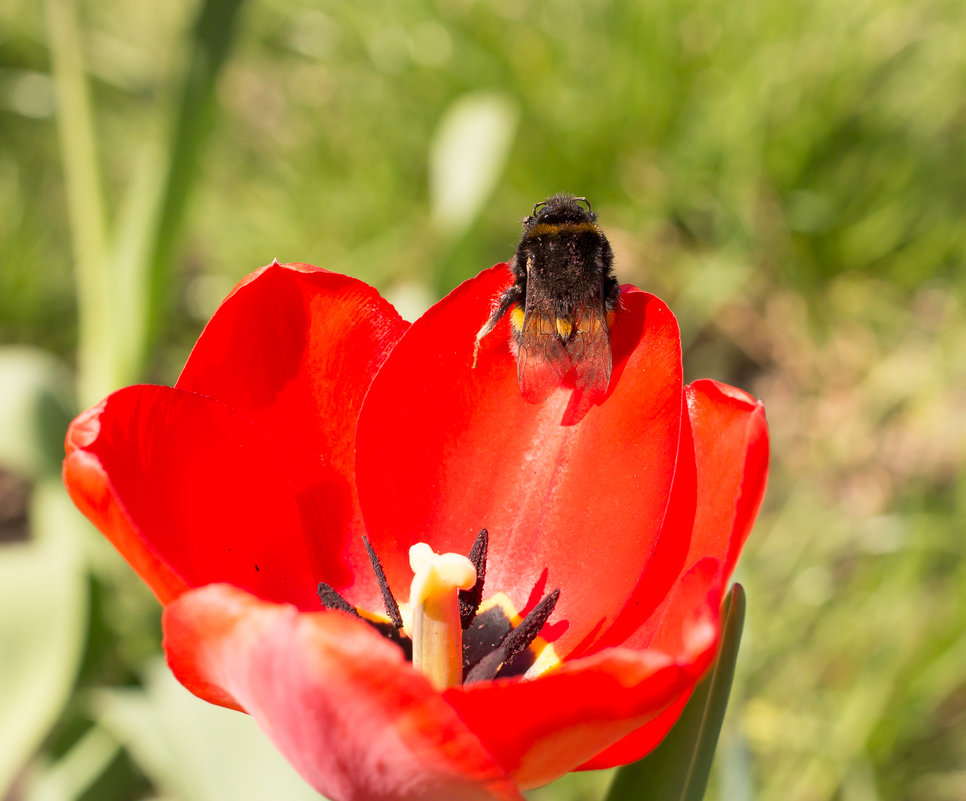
(542,361)
(589,350)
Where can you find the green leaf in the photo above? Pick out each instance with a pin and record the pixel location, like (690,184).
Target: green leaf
(73,773)
(678,769)
(43,593)
(123,286)
(194,751)
(35,408)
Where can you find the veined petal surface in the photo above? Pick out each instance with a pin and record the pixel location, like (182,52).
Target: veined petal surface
(294,348)
(573,497)
(190,493)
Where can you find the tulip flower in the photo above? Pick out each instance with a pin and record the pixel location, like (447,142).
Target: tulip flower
(316,446)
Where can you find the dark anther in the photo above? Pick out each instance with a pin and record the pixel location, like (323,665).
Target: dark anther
(486,668)
(392,608)
(484,635)
(514,643)
(520,638)
(470,599)
(332,600)
(393,634)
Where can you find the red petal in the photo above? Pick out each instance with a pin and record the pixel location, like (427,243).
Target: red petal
(572,497)
(337,699)
(294,349)
(731,453)
(666,565)
(731,450)
(541,729)
(641,742)
(688,627)
(731,459)
(189,493)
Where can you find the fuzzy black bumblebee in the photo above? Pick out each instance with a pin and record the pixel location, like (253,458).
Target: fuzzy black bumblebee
(562,301)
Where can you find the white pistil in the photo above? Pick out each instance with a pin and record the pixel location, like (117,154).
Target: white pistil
(434,599)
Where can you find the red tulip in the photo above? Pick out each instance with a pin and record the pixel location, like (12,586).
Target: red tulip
(309,414)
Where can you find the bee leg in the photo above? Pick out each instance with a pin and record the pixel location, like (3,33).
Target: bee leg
(476,345)
(489,326)
(510,297)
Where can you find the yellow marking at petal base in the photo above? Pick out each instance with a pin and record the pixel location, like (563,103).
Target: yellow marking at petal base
(405,612)
(564,327)
(545,661)
(374,617)
(517,316)
(502,600)
(546,229)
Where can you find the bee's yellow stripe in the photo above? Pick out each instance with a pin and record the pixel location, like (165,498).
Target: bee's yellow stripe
(546,229)
(517,316)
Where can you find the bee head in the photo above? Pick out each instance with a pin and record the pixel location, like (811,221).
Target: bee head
(561,208)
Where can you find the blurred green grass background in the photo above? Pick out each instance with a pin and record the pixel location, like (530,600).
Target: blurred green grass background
(789,174)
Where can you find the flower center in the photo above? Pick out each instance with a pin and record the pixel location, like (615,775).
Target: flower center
(447,630)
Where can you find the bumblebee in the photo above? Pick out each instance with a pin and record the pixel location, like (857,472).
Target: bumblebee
(562,301)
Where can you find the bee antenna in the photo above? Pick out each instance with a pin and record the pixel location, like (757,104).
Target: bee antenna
(583,200)
(537,206)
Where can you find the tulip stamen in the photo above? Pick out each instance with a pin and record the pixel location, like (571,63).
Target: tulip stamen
(471,599)
(514,642)
(522,636)
(332,599)
(437,631)
(392,608)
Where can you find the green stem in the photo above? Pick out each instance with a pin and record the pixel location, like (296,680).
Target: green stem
(678,769)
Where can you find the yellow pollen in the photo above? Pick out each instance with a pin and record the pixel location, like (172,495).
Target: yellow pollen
(564,327)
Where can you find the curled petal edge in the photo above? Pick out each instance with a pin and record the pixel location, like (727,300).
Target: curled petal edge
(729,429)
(89,487)
(609,695)
(186,489)
(338,700)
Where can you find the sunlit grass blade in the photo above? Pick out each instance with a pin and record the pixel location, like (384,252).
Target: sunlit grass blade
(209,49)
(122,289)
(678,769)
(85,202)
